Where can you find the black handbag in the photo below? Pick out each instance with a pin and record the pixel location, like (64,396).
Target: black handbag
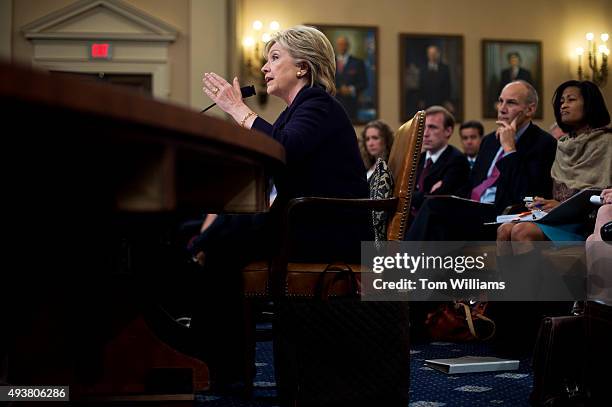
(339,350)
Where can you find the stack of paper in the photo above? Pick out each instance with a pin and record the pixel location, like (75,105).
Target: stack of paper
(472,364)
(529,216)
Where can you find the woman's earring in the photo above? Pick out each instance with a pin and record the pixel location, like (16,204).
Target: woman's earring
(299,74)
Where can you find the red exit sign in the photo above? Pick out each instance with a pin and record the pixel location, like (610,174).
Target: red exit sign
(100,50)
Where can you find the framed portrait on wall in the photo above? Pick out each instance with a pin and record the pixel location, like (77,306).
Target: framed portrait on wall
(504,61)
(431,73)
(356,49)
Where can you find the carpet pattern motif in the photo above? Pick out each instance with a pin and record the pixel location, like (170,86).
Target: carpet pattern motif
(428,387)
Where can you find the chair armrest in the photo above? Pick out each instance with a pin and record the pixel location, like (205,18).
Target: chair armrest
(280,262)
(318,203)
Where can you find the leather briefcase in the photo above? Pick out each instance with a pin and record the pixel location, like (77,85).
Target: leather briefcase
(336,350)
(598,319)
(558,362)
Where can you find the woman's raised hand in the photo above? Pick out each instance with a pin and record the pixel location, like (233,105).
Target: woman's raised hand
(227,96)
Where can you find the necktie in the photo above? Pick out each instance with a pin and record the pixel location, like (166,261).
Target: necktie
(340,64)
(421,182)
(424,173)
(479,190)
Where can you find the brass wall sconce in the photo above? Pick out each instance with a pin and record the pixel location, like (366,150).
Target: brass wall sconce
(599,71)
(252,52)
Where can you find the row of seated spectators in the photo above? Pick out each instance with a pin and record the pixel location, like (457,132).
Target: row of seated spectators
(322,159)
(499,170)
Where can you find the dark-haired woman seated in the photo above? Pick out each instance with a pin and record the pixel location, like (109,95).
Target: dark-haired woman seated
(583,160)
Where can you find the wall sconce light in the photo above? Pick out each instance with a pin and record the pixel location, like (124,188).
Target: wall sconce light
(252,52)
(599,72)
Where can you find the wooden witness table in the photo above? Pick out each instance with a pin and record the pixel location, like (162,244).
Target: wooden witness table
(91,173)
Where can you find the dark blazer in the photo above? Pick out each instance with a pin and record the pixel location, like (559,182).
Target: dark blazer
(353,74)
(523,74)
(451,168)
(435,86)
(323,160)
(525,172)
(506,78)
(321,148)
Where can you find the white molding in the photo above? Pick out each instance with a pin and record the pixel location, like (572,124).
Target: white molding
(43,26)
(142,49)
(101,36)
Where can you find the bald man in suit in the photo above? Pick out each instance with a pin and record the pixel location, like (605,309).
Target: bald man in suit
(513,162)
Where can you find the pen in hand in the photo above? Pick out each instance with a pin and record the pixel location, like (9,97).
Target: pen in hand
(533,202)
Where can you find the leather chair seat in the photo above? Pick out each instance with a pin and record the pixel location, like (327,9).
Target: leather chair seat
(301,279)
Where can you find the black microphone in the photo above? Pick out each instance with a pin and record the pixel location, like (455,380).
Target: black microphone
(246,91)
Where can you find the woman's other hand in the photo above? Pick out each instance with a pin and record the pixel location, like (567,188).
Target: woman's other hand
(435,186)
(542,204)
(606,195)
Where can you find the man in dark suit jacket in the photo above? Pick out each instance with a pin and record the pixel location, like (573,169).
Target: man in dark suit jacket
(526,172)
(470,133)
(443,169)
(513,162)
(434,84)
(351,77)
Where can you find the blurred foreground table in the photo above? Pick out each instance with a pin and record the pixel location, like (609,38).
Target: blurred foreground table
(91,174)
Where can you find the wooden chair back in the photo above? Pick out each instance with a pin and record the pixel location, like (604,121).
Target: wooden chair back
(403,162)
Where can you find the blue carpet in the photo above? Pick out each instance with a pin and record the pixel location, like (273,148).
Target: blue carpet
(265,390)
(431,388)
(428,387)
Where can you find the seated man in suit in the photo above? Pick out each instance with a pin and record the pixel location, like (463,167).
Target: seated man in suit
(471,133)
(513,162)
(443,169)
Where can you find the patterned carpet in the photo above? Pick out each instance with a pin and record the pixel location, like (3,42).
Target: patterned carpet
(428,387)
